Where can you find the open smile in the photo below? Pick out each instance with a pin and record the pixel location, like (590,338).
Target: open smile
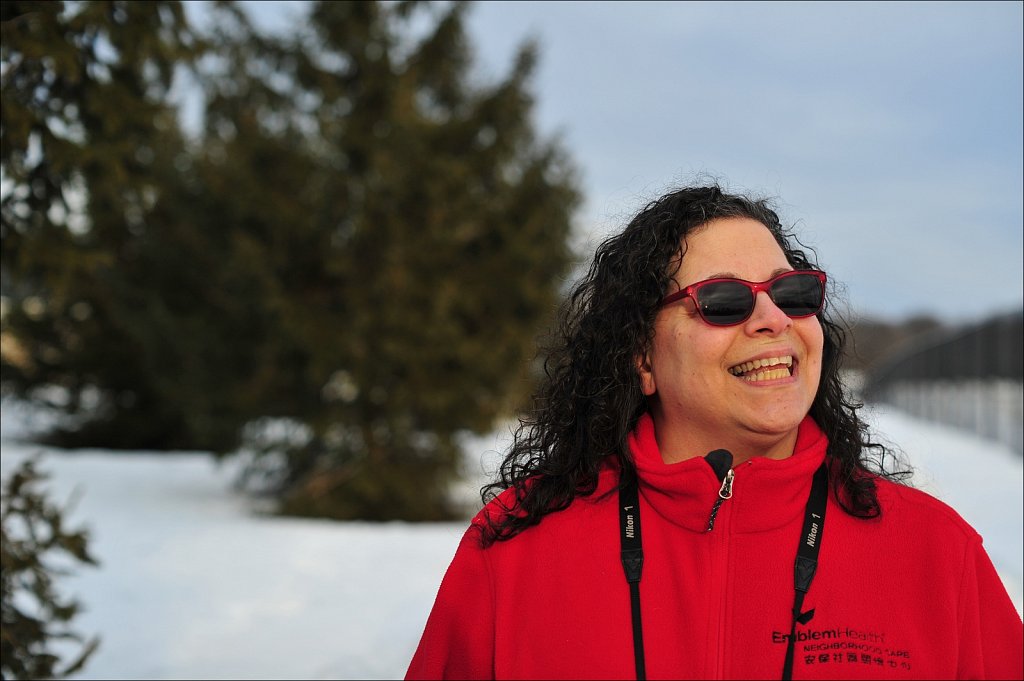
(765,369)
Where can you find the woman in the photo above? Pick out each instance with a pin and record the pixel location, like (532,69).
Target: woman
(694,496)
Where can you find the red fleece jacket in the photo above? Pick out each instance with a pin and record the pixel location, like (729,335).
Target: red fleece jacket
(909,595)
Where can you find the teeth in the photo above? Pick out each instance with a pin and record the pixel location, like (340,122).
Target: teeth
(746,367)
(767,375)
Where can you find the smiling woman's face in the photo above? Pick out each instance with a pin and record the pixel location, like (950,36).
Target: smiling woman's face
(698,401)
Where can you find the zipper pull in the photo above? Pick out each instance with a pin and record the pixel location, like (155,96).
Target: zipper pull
(725,492)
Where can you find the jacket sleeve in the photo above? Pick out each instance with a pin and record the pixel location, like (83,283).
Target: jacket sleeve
(991,633)
(458,642)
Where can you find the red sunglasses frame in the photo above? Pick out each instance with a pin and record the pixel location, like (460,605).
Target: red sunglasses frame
(693,291)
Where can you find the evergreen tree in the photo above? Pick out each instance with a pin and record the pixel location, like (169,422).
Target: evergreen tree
(349,267)
(87,133)
(33,616)
(417,232)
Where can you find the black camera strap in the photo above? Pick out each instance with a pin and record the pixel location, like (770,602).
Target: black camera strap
(807,559)
(804,568)
(633,564)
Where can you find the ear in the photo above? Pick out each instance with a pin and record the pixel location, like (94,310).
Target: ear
(646,373)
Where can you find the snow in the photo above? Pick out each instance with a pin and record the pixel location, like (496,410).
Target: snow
(195,584)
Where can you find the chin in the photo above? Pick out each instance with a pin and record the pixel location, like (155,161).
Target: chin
(781,423)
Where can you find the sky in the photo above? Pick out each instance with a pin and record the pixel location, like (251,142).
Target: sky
(192,585)
(889,134)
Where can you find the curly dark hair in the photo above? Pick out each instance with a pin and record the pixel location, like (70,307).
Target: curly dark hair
(591,397)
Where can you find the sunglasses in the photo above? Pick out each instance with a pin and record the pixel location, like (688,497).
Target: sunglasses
(726,301)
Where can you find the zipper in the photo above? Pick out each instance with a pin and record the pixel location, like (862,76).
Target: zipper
(720,544)
(725,492)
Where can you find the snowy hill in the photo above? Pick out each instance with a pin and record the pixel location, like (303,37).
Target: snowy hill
(193,584)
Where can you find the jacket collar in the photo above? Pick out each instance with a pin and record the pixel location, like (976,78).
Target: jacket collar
(767,493)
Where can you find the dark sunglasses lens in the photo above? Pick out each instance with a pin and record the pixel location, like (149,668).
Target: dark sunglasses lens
(725,302)
(798,295)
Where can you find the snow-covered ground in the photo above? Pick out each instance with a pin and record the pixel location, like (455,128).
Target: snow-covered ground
(194,585)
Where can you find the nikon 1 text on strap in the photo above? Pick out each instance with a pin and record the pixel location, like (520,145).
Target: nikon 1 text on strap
(633,564)
(804,568)
(807,559)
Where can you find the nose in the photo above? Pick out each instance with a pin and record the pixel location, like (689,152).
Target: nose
(767,318)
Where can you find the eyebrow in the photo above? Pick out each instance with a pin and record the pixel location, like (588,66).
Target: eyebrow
(732,275)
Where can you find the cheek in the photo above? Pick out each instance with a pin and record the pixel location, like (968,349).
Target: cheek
(819,340)
(814,341)
(688,355)
(671,357)
(699,356)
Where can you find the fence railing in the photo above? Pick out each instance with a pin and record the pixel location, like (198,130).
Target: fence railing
(972,378)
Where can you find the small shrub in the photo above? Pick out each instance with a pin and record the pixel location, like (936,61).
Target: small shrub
(34,616)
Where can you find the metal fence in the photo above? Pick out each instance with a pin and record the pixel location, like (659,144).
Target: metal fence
(972,378)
